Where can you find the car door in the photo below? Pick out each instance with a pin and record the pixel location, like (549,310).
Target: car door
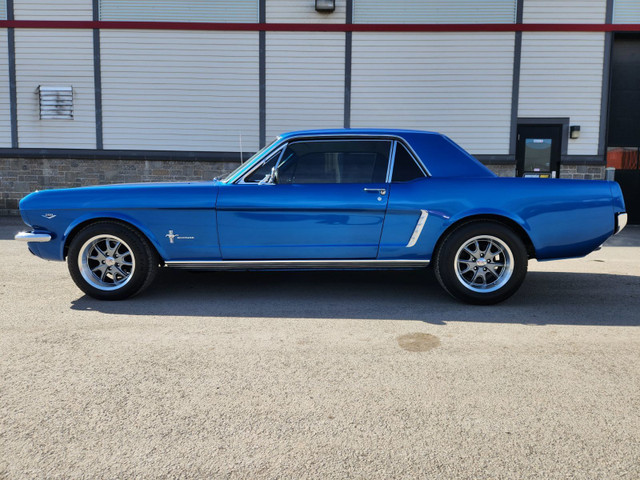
(326,199)
(407,233)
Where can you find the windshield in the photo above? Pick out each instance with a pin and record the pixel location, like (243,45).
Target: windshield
(228,176)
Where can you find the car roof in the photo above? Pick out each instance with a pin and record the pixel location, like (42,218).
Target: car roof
(441,156)
(356,131)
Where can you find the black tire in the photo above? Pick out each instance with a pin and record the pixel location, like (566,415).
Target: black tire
(111,261)
(481,262)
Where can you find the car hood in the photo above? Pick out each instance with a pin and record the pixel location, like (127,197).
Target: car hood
(124,196)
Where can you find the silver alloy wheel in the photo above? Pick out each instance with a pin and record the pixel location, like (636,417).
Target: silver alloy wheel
(106,262)
(484,264)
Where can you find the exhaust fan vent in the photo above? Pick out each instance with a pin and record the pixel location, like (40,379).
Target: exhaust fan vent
(56,102)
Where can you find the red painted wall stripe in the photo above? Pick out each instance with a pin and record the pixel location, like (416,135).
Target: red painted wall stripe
(327,27)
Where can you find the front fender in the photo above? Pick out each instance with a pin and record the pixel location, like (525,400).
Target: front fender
(110,215)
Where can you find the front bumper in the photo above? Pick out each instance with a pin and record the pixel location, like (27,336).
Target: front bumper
(37,237)
(621,222)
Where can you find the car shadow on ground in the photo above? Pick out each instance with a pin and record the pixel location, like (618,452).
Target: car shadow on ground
(545,298)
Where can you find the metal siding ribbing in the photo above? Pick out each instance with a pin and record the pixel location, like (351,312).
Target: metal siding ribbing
(555,85)
(626,11)
(55,57)
(53,10)
(180,10)
(5,118)
(305,84)
(455,83)
(566,11)
(291,11)
(3,10)
(177,90)
(434,11)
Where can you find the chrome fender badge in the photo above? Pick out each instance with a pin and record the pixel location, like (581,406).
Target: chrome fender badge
(176,236)
(49,216)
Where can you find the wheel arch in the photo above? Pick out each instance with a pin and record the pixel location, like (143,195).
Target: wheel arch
(491,217)
(81,223)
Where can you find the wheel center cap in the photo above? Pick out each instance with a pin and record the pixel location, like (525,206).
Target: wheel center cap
(481,262)
(110,262)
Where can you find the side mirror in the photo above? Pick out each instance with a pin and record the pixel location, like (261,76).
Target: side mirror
(270,179)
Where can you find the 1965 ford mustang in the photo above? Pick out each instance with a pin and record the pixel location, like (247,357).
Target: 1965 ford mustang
(328,199)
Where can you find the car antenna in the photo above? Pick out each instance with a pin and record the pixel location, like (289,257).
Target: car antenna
(241,155)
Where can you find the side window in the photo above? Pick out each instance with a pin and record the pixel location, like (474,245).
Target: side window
(261,173)
(404,166)
(335,161)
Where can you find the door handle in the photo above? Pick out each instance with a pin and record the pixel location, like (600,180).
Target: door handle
(380,191)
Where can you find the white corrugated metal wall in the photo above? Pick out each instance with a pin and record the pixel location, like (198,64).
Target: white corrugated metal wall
(55,58)
(297,11)
(177,90)
(180,10)
(626,11)
(561,74)
(183,90)
(564,85)
(5,120)
(53,10)
(305,84)
(304,71)
(455,83)
(434,11)
(565,11)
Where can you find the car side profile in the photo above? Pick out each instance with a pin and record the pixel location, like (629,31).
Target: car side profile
(328,199)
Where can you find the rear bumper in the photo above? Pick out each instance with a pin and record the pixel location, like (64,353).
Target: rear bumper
(621,222)
(37,237)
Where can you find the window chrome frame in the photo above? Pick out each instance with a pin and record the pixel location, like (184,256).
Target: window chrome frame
(236,179)
(328,139)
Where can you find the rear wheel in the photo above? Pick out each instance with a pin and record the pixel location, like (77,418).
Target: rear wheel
(481,263)
(111,261)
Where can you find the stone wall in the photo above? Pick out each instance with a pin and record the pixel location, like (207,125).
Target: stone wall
(503,170)
(19,177)
(578,172)
(582,172)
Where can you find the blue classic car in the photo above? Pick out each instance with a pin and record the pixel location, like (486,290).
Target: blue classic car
(328,199)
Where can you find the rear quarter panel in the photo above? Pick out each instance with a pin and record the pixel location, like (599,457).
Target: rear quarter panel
(563,218)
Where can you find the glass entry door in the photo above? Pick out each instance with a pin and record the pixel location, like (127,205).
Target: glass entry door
(538,150)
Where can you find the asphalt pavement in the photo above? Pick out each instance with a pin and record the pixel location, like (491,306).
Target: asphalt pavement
(321,375)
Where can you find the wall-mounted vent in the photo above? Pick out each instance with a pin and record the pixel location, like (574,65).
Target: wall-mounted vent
(56,102)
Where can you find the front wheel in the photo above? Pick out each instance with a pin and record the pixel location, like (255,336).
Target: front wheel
(481,263)
(111,261)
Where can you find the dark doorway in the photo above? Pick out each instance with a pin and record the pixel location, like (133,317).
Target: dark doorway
(538,150)
(623,128)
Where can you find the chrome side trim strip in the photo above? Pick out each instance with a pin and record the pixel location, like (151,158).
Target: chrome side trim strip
(621,221)
(295,264)
(32,237)
(418,230)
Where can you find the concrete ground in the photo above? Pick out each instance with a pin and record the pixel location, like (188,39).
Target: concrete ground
(321,375)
